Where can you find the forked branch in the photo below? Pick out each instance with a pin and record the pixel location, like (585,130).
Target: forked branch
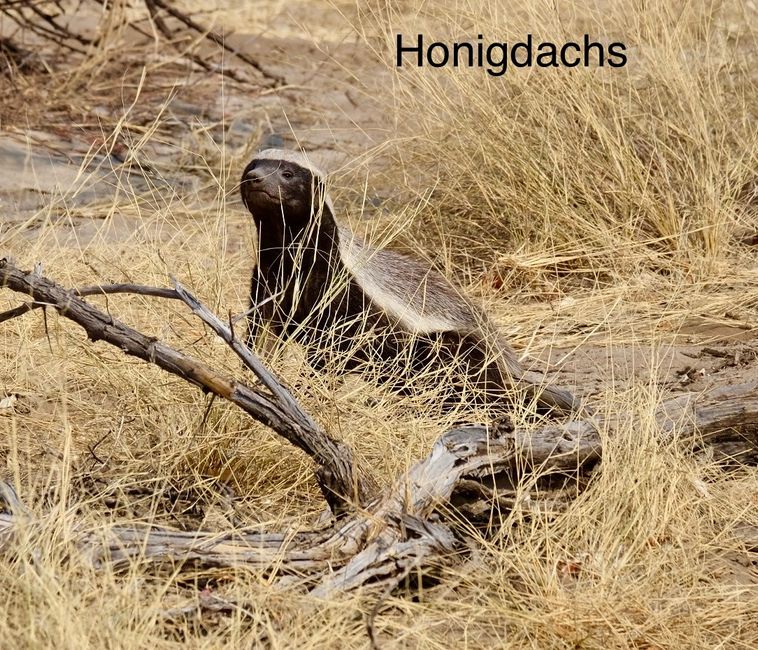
(336,474)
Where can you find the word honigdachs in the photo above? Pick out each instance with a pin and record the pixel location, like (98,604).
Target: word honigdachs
(495,58)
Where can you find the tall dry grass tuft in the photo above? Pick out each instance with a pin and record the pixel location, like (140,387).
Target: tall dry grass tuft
(602,171)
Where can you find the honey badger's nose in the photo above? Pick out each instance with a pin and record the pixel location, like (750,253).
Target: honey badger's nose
(254,175)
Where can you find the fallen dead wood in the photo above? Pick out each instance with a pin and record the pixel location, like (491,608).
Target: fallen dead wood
(396,533)
(54,23)
(722,421)
(411,524)
(391,536)
(155,6)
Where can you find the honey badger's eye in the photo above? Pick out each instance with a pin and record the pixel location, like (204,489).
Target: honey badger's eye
(287,173)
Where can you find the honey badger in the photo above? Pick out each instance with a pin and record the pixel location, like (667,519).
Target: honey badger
(363,308)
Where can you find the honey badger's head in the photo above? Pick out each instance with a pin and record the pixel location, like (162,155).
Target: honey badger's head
(281,186)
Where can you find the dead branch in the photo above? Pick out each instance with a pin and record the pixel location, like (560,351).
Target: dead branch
(210,35)
(470,471)
(336,474)
(39,23)
(164,29)
(100,289)
(29,16)
(56,28)
(244,353)
(138,289)
(395,533)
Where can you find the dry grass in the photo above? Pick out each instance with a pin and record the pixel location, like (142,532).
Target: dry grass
(597,206)
(603,172)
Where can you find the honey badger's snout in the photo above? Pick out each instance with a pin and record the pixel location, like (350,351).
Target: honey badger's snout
(253,175)
(260,185)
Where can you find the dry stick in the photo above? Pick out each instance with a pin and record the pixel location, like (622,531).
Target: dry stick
(17,16)
(214,37)
(139,289)
(336,474)
(250,360)
(164,29)
(19,311)
(208,317)
(120,546)
(244,353)
(393,535)
(725,419)
(103,289)
(153,7)
(60,29)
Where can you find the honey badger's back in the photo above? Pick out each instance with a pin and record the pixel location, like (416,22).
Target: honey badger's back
(415,306)
(414,295)
(422,302)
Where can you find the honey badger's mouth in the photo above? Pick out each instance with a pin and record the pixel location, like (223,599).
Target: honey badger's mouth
(259,190)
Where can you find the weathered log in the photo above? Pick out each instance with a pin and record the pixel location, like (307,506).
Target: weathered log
(723,421)
(395,533)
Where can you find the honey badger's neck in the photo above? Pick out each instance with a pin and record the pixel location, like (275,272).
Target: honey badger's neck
(284,251)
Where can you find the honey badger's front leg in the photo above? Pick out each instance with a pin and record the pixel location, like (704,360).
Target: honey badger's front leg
(261,315)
